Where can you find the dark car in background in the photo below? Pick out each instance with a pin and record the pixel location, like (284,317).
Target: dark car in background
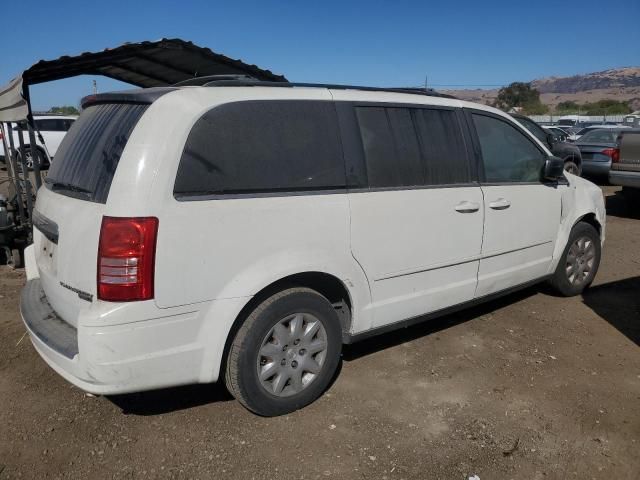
(568,152)
(560,133)
(599,148)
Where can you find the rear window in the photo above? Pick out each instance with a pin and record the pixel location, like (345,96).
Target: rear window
(262,147)
(600,136)
(88,156)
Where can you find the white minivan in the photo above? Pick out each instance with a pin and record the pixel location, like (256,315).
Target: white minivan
(245,231)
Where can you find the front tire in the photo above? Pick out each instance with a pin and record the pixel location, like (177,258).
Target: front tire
(285,354)
(572,167)
(28,157)
(579,262)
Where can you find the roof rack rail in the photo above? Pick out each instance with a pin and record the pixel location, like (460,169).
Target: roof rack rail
(242,82)
(204,80)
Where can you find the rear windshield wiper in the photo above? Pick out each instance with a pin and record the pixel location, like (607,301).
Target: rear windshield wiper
(55,185)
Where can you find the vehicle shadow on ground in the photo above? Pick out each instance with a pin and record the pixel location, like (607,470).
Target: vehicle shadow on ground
(157,402)
(619,304)
(619,205)
(434,325)
(168,400)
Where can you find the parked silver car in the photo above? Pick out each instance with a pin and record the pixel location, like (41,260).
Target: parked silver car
(626,171)
(599,148)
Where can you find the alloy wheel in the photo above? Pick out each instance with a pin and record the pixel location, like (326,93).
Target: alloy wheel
(580,260)
(292,354)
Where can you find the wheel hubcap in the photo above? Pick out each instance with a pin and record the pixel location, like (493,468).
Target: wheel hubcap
(580,259)
(292,354)
(571,168)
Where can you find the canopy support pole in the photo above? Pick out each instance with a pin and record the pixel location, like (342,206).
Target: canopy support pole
(35,152)
(11,151)
(25,175)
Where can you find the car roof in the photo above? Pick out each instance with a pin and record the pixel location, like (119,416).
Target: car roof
(342,92)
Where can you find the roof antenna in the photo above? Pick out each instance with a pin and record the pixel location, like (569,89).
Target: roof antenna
(426,81)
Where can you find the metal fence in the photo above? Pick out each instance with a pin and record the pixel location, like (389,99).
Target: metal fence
(583,118)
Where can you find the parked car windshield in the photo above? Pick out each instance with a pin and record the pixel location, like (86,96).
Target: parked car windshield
(600,136)
(534,128)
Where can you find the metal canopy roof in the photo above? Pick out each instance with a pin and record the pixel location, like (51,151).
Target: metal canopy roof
(143,64)
(146,64)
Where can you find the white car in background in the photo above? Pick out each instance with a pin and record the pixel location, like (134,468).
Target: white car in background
(52,128)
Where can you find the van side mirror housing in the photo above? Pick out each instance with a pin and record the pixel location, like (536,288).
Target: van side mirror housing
(553,168)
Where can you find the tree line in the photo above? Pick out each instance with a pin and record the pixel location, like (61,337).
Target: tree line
(523,96)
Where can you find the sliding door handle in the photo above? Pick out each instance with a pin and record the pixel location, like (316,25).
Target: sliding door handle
(500,204)
(467,207)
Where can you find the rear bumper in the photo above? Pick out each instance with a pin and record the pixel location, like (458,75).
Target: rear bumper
(624,178)
(123,358)
(596,168)
(44,324)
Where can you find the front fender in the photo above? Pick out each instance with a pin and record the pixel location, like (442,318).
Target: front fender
(579,199)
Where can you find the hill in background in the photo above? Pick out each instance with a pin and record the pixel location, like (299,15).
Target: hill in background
(621,84)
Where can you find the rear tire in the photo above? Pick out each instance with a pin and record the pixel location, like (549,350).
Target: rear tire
(285,354)
(579,262)
(44,164)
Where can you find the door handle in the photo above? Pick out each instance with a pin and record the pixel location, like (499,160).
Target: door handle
(467,207)
(500,204)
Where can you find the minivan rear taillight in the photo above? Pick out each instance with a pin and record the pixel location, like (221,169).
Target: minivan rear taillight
(126,258)
(614,153)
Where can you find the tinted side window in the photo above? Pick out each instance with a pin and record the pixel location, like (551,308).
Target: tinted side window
(442,146)
(47,125)
(390,146)
(53,124)
(262,146)
(65,124)
(508,155)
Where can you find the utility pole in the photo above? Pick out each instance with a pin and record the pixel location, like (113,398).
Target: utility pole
(426,82)
(95,87)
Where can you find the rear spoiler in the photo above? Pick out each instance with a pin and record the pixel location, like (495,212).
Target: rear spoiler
(143,96)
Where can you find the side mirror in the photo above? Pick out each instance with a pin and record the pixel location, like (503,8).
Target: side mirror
(553,168)
(551,139)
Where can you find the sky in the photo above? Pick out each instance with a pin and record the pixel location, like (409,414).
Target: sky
(365,42)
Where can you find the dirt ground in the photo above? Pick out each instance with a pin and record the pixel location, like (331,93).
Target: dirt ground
(531,386)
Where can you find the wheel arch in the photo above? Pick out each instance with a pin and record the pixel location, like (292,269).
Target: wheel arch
(326,284)
(591,219)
